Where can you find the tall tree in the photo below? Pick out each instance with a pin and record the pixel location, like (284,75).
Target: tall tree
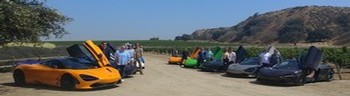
(29,20)
(319,35)
(292,32)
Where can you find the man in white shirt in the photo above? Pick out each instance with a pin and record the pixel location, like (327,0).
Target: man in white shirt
(231,56)
(265,58)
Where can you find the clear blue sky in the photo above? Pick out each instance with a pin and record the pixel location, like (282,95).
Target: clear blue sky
(143,19)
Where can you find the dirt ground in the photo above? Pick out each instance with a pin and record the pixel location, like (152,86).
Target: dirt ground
(162,79)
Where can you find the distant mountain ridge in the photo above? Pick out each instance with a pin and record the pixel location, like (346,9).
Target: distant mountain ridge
(291,25)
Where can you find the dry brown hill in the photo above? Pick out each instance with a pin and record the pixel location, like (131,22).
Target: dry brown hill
(292,25)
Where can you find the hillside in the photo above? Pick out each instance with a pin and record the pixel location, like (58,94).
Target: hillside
(292,25)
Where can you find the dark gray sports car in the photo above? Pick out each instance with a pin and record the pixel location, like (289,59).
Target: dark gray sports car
(218,64)
(247,67)
(296,71)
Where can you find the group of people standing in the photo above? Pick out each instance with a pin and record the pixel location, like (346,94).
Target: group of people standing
(126,54)
(204,54)
(266,58)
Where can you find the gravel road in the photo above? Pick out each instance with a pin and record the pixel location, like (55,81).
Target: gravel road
(162,79)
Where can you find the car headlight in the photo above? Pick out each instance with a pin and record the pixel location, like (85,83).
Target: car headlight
(289,76)
(88,77)
(297,71)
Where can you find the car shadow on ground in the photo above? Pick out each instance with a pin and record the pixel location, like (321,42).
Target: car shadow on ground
(210,72)
(272,84)
(237,76)
(54,88)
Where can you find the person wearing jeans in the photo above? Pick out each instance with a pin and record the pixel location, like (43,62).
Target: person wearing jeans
(138,55)
(123,59)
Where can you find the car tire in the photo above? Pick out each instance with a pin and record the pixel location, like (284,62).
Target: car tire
(258,79)
(119,81)
(300,81)
(182,65)
(228,74)
(19,78)
(68,82)
(330,74)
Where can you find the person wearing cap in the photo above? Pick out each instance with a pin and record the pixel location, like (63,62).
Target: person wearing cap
(123,58)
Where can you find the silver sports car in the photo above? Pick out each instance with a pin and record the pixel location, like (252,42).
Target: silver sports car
(247,67)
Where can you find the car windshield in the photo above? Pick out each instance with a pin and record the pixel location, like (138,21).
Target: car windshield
(250,61)
(69,63)
(287,65)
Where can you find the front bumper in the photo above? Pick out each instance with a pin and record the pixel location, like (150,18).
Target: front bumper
(279,79)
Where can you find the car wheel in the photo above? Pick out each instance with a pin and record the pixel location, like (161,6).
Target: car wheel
(68,82)
(182,65)
(228,74)
(119,81)
(330,74)
(259,79)
(19,78)
(300,81)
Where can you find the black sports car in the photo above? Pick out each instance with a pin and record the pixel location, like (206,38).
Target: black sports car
(218,65)
(296,71)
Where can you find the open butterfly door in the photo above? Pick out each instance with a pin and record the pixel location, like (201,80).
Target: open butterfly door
(241,53)
(311,58)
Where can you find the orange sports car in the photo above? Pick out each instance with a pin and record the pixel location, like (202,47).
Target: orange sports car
(174,60)
(87,68)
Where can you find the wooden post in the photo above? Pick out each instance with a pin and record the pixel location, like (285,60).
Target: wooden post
(13,61)
(339,71)
(40,58)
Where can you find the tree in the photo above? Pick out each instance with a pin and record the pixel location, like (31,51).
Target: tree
(186,37)
(292,32)
(292,37)
(154,38)
(344,21)
(217,35)
(178,38)
(29,20)
(319,35)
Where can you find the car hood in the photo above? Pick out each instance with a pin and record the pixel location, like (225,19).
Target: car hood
(103,72)
(272,72)
(240,67)
(213,63)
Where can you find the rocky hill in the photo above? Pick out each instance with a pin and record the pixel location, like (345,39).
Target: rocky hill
(292,25)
